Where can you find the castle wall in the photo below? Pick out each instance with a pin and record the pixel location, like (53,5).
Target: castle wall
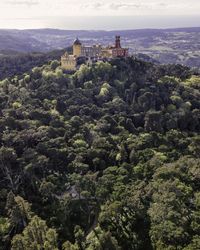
(68,62)
(119,52)
(95,52)
(77,50)
(91,51)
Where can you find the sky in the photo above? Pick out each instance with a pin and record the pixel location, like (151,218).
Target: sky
(79,14)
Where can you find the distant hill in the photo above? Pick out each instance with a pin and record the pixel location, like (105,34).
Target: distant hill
(16,63)
(48,39)
(165,45)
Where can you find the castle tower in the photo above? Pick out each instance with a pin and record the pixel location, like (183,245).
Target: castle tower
(117,42)
(77,48)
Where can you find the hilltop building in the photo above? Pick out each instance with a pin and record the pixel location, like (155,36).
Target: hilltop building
(68,62)
(117,50)
(94,52)
(86,51)
(77,46)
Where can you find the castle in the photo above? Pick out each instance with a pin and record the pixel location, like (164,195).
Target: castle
(92,53)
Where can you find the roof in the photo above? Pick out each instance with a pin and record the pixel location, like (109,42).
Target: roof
(77,42)
(66,55)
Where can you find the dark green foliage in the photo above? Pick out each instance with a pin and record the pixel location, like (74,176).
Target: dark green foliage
(13,62)
(107,157)
(35,236)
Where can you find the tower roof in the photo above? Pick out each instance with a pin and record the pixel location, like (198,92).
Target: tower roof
(77,42)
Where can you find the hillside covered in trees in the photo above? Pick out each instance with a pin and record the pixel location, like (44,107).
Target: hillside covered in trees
(103,158)
(17,63)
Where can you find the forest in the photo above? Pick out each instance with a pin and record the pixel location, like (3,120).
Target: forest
(16,63)
(104,158)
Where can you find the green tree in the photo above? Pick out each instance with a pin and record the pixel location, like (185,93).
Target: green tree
(36,236)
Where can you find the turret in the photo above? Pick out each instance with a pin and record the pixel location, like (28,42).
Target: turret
(117,42)
(77,48)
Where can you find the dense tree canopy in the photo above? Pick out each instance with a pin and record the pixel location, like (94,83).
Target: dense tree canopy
(103,158)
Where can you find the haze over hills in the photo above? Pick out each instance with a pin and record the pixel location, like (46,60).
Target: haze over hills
(180,45)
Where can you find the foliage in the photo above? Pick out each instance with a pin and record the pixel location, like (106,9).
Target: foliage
(35,236)
(105,158)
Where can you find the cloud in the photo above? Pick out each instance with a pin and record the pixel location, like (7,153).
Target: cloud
(28,3)
(127,6)
(118,6)
(142,5)
(98,5)
(110,5)
(62,8)
(94,6)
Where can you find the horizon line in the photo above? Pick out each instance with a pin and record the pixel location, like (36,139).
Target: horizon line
(98,30)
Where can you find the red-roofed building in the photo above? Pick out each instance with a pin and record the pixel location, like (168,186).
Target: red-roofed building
(118,51)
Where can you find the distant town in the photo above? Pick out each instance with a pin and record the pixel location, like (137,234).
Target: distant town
(92,53)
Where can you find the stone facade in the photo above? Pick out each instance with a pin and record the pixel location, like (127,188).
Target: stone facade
(95,52)
(91,51)
(77,47)
(68,62)
(98,51)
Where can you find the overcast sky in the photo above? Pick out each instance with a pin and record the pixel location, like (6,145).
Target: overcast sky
(49,9)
